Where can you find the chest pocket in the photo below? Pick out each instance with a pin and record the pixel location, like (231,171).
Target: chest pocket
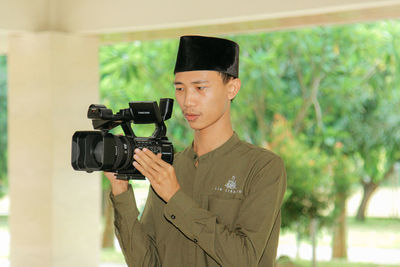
(226,209)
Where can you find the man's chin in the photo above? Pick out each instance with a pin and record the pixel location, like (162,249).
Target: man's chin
(196,126)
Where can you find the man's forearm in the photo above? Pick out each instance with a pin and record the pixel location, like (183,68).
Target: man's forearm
(136,243)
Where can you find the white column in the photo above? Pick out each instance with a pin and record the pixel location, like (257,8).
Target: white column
(54,210)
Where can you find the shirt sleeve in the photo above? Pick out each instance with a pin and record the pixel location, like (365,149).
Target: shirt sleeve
(135,237)
(258,214)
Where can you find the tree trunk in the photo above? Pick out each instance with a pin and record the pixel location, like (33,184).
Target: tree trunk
(108,233)
(298,243)
(339,244)
(368,190)
(314,229)
(307,102)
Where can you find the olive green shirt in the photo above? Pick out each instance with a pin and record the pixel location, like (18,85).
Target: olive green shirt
(227,212)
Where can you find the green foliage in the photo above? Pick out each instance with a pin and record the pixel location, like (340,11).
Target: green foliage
(366,122)
(3,126)
(309,172)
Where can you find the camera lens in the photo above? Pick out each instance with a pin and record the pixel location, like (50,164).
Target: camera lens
(124,152)
(75,152)
(119,155)
(98,152)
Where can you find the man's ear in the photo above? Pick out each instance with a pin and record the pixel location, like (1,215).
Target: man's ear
(233,88)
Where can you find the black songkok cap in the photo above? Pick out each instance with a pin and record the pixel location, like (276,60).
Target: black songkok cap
(207,53)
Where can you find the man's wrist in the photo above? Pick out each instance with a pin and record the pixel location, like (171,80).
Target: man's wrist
(119,187)
(173,194)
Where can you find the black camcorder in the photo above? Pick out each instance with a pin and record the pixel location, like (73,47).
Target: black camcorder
(103,151)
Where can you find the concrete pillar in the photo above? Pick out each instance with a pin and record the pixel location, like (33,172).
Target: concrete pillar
(54,210)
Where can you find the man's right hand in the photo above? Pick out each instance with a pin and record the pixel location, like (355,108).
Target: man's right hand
(117,186)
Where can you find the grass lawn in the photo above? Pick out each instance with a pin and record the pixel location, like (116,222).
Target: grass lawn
(373,233)
(380,233)
(302,263)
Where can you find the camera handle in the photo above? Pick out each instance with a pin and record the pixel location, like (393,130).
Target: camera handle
(161,130)
(126,127)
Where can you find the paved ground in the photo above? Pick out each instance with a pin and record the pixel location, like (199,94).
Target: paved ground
(6,263)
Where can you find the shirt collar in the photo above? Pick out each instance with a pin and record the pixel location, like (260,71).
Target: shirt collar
(221,150)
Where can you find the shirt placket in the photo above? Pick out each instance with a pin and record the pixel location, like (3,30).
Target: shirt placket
(200,167)
(198,178)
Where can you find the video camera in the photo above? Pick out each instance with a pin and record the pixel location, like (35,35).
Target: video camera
(103,151)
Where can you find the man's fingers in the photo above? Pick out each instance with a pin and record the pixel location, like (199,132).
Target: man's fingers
(162,162)
(143,167)
(157,158)
(150,159)
(151,155)
(142,170)
(141,159)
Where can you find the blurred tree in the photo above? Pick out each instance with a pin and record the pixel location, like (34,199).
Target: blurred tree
(309,173)
(366,122)
(344,178)
(320,79)
(379,146)
(368,118)
(3,126)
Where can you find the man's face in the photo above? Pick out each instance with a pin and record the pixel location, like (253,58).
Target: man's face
(203,97)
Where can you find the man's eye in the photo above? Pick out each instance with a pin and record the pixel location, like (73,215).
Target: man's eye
(201,87)
(179,88)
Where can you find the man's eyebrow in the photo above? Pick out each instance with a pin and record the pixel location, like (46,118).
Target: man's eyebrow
(195,82)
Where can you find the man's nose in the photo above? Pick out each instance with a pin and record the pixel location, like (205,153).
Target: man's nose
(189,98)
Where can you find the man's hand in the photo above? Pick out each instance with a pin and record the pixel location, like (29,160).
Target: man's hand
(160,174)
(117,186)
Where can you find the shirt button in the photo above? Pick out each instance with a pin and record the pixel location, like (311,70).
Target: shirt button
(195,240)
(173,217)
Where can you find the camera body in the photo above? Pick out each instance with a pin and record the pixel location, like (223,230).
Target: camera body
(103,151)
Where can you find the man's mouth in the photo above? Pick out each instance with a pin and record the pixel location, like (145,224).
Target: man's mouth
(191,116)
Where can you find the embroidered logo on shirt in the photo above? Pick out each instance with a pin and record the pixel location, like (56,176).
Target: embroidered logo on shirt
(231,184)
(230,187)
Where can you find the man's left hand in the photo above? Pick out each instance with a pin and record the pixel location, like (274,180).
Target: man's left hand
(160,174)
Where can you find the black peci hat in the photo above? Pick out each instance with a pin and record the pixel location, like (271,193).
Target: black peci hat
(207,53)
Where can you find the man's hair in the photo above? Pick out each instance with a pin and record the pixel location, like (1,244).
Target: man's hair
(225,77)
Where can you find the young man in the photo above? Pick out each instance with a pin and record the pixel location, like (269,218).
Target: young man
(219,203)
